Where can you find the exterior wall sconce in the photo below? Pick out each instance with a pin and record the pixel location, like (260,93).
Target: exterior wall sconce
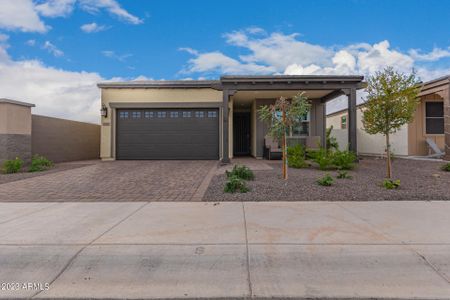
(104,111)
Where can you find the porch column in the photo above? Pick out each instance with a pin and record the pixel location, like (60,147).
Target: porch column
(352,142)
(226,98)
(447,122)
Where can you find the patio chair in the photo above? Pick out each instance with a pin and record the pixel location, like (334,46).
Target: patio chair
(272,149)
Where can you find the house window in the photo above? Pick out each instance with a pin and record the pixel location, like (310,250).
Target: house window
(161,114)
(174,114)
(434,117)
(136,114)
(343,122)
(199,114)
(212,114)
(148,114)
(186,114)
(302,127)
(123,115)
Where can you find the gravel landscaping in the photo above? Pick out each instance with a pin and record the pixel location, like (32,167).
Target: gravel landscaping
(420,180)
(5,178)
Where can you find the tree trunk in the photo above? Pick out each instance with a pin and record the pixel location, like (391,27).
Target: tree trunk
(283,148)
(388,156)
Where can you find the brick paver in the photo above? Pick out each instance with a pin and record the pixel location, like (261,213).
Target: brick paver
(114,181)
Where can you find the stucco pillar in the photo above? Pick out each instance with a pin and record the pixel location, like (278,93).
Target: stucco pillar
(447,122)
(352,142)
(225,137)
(15,130)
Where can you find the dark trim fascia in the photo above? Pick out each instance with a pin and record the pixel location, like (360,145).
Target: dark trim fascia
(274,86)
(332,96)
(165,104)
(292,78)
(214,84)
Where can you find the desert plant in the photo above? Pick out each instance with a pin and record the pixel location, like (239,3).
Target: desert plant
(391,184)
(343,175)
(242,172)
(282,116)
(326,180)
(12,165)
(446,167)
(331,142)
(296,157)
(324,159)
(311,153)
(235,184)
(40,163)
(344,160)
(392,98)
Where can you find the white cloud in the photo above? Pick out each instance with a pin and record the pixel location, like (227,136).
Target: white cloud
(52,49)
(56,92)
(434,55)
(93,6)
(113,55)
(20,15)
(55,8)
(93,27)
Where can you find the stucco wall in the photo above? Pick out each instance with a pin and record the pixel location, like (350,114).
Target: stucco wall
(64,140)
(368,144)
(141,96)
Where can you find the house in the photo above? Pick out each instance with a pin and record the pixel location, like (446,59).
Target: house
(431,121)
(210,119)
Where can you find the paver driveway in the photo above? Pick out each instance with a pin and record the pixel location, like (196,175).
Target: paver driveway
(117,181)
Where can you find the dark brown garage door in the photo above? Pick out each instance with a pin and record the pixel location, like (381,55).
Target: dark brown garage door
(168,133)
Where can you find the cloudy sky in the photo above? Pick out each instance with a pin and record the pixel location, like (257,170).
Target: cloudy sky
(53,52)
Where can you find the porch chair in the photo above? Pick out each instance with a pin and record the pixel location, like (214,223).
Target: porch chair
(271,148)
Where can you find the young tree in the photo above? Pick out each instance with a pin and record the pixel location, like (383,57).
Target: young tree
(391,101)
(283,115)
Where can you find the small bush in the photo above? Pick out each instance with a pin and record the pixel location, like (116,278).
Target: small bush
(296,157)
(324,159)
(242,172)
(331,141)
(327,180)
(391,184)
(343,175)
(235,184)
(12,165)
(40,163)
(311,153)
(446,167)
(344,160)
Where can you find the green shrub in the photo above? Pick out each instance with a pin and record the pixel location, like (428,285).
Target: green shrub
(343,175)
(446,167)
(40,163)
(391,184)
(242,172)
(324,159)
(311,153)
(235,184)
(344,160)
(327,180)
(12,165)
(331,142)
(296,156)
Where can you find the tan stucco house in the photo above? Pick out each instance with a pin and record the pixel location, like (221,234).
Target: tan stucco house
(217,119)
(431,121)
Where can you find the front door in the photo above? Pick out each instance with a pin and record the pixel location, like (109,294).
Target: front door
(241,133)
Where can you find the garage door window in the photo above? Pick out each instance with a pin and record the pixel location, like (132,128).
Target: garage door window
(123,115)
(136,114)
(174,114)
(161,114)
(186,114)
(148,114)
(212,114)
(199,114)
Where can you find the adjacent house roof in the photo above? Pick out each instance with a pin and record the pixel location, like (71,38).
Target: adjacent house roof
(10,101)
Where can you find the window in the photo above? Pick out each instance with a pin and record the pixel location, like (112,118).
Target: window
(302,128)
(343,122)
(161,114)
(136,114)
(174,114)
(123,115)
(148,114)
(186,114)
(199,114)
(212,114)
(434,117)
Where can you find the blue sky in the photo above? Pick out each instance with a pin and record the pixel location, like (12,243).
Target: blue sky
(59,49)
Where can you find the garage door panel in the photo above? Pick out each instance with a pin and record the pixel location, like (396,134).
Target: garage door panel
(141,134)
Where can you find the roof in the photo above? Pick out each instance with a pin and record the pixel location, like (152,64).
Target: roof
(217,84)
(10,101)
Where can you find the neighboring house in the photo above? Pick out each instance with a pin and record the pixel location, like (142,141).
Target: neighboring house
(198,119)
(431,121)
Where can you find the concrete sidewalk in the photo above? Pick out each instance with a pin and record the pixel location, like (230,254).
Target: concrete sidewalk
(185,250)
